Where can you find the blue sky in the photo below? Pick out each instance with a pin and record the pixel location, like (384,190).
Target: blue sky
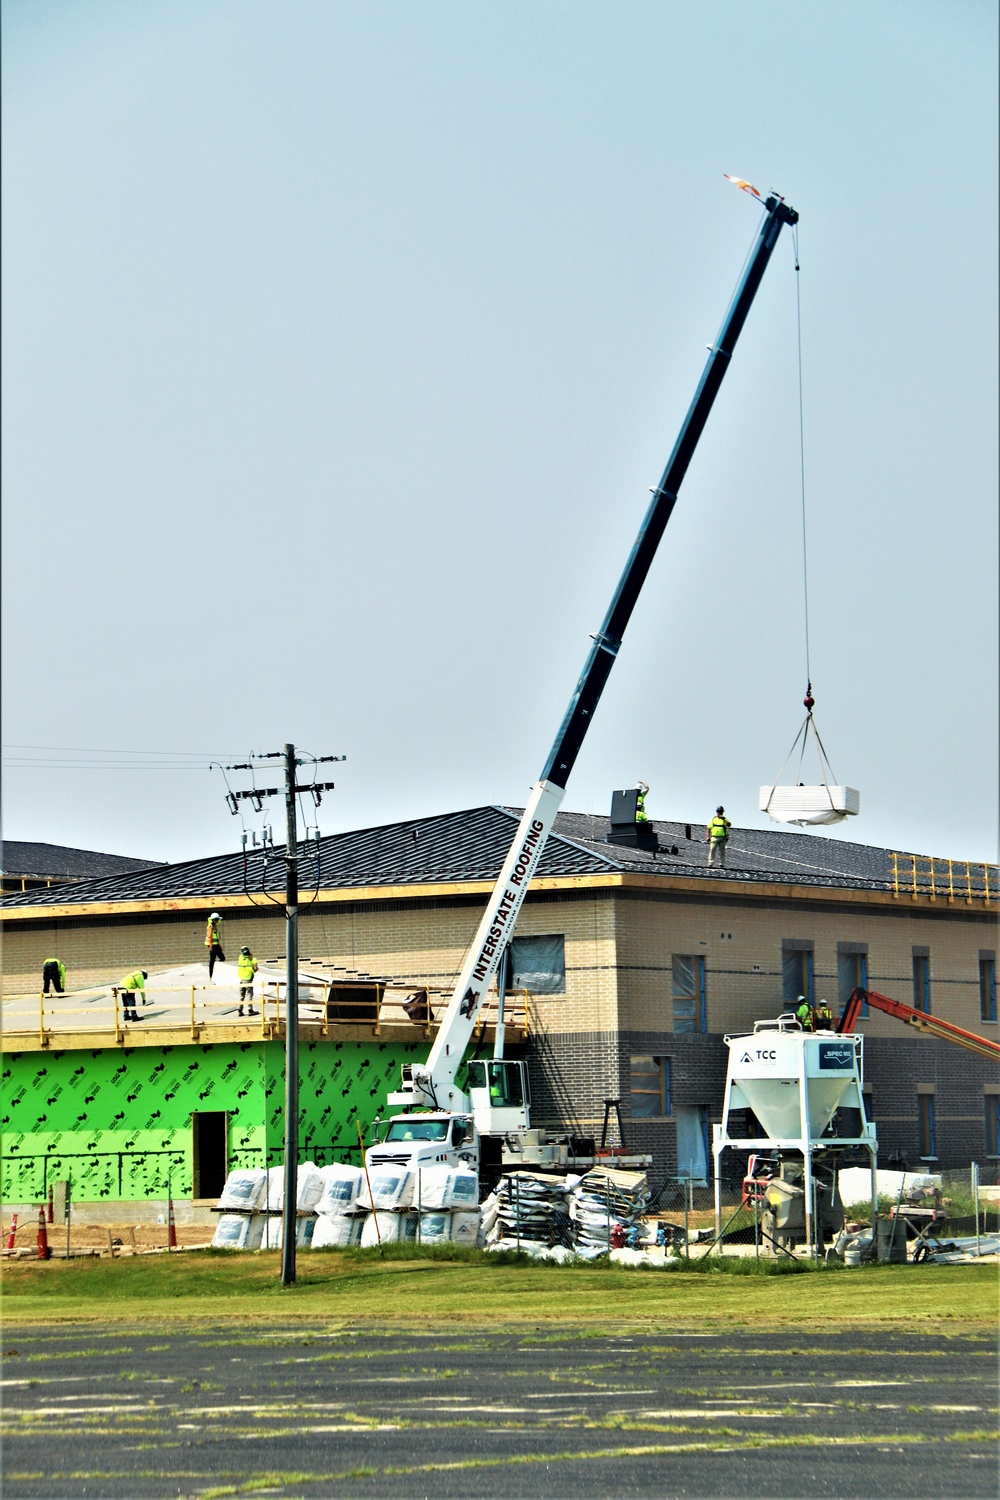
(343,343)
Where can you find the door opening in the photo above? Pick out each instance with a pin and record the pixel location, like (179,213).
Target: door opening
(210,1154)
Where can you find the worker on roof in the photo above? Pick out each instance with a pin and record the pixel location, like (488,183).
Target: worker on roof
(823,1019)
(213,941)
(804,1014)
(54,973)
(642,788)
(717,835)
(246,968)
(133,984)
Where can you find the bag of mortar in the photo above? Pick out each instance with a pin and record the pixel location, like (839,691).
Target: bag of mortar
(382,1228)
(335,1231)
(443,1186)
(275,1201)
(435,1228)
(464,1228)
(244,1189)
(231,1232)
(309,1186)
(341,1187)
(391,1188)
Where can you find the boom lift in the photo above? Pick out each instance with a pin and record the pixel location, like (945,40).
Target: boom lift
(498,1093)
(920,1021)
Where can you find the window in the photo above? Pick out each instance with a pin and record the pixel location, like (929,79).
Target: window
(650,1079)
(796,971)
(538,964)
(928,1142)
(922,980)
(852,973)
(992,1103)
(987,987)
(690,1011)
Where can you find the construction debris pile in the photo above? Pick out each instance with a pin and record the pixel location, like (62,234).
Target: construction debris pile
(607,1210)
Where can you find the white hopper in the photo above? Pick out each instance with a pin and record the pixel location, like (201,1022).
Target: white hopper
(765,1071)
(809,805)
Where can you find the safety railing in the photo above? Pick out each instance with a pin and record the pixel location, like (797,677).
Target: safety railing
(196,1008)
(924,876)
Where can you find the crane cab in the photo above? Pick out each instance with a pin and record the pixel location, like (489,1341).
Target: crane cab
(498,1089)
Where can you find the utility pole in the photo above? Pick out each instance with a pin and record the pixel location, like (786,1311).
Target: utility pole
(288,1218)
(289,1213)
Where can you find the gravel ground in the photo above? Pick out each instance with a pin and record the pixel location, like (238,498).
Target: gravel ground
(200,1412)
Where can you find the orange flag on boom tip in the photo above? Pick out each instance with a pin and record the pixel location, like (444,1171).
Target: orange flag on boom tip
(742,184)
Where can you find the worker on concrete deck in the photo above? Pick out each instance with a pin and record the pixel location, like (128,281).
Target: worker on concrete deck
(133,984)
(717,835)
(804,1014)
(823,1019)
(54,973)
(246,968)
(213,941)
(642,789)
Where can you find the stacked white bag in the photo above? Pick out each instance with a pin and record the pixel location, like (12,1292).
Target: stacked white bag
(339,1214)
(448,1199)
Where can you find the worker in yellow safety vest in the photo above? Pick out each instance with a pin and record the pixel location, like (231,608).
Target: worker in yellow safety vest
(642,789)
(213,941)
(133,984)
(54,973)
(823,1019)
(246,968)
(804,1014)
(717,835)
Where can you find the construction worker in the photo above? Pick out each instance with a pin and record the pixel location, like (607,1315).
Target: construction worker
(213,941)
(640,802)
(53,972)
(804,1014)
(246,968)
(133,984)
(823,1019)
(717,835)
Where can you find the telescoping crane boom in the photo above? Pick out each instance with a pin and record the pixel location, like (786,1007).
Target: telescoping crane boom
(432,1085)
(920,1020)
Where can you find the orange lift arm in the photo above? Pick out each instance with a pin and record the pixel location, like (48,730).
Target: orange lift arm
(919,1020)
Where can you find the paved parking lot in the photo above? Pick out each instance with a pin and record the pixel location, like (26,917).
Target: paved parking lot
(479,1412)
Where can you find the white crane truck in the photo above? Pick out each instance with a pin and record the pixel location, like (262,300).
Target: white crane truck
(440,1122)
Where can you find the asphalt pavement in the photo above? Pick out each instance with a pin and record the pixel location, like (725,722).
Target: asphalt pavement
(197,1411)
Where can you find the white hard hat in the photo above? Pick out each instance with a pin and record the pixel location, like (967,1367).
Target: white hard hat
(215,917)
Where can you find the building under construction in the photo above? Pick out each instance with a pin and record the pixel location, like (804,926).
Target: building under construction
(628,966)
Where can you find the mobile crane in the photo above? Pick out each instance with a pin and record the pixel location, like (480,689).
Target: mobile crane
(498,1100)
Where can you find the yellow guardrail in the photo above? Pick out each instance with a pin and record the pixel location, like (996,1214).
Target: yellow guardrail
(194,1007)
(951,880)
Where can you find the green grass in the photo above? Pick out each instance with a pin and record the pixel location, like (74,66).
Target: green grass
(406,1287)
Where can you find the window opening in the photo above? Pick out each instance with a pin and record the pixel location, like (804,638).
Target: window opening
(852,974)
(796,975)
(928,1140)
(987,989)
(688,984)
(538,964)
(650,1087)
(992,1103)
(922,983)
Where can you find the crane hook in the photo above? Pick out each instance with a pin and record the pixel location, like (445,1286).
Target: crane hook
(809,701)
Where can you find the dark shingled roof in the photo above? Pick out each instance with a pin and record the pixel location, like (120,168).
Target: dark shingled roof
(54,862)
(471,845)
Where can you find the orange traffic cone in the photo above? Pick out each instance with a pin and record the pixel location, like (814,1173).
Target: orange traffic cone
(171,1227)
(44,1253)
(11,1233)
(52,1212)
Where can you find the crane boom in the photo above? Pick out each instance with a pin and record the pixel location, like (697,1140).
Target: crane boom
(920,1020)
(432,1085)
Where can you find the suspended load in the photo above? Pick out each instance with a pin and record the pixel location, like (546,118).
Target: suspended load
(822,802)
